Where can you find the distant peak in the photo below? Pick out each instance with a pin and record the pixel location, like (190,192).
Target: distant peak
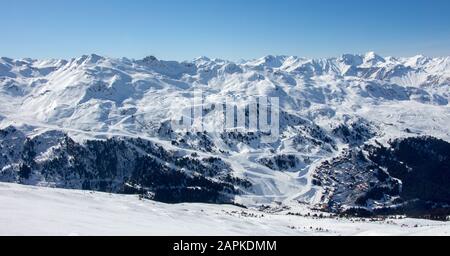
(202,58)
(421,57)
(150,59)
(270,61)
(6,59)
(95,57)
(373,58)
(269,57)
(372,55)
(417,60)
(352,59)
(274,57)
(90,59)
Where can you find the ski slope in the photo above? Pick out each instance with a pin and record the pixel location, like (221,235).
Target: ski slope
(27,210)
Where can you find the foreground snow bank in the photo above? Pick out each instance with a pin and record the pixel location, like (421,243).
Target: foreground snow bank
(27,210)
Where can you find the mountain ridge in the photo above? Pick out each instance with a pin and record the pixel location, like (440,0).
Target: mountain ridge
(328,107)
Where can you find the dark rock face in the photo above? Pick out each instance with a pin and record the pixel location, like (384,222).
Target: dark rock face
(411,177)
(118,165)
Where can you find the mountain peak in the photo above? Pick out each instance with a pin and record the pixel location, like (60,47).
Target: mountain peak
(150,59)
(202,58)
(351,59)
(270,61)
(90,59)
(373,58)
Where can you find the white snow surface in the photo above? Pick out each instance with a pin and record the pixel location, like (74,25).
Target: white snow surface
(27,210)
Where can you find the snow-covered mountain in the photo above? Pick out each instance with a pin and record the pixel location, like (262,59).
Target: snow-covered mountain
(104,124)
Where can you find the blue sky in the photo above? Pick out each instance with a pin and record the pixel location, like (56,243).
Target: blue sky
(229,29)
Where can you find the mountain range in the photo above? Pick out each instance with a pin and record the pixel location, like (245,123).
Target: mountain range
(360,134)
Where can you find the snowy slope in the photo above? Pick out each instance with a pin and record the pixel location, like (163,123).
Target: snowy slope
(327,106)
(41,211)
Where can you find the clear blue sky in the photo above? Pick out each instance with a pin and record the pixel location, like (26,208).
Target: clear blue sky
(230,29)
